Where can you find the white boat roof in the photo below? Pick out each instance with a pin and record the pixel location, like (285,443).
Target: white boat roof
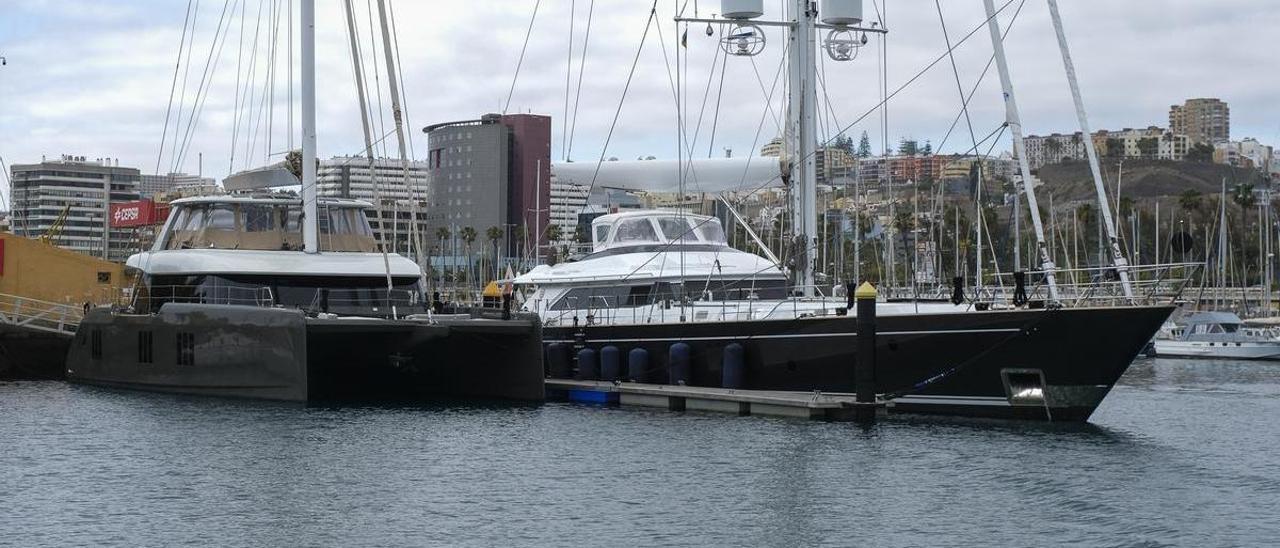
(727,263)
(270,263)
(611,217)
(274,200)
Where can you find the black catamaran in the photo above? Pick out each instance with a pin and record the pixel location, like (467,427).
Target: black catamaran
(264,295)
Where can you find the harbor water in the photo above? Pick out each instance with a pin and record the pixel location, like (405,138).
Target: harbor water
(1182,453)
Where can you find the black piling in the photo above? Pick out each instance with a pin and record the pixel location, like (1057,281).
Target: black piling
(864,369)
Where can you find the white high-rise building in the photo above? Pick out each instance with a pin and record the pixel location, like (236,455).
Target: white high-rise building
(351,177)
(567,201)
(158,184)
(72,197)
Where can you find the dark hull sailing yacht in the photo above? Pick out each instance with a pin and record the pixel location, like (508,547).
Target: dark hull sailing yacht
(1039,363)
(663,287)
(270,296)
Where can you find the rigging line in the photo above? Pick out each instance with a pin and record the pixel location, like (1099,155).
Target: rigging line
(377,78)
(764,115)
(249,88)
(404,99)
(168,110)
(715,119)
(582,65)
(681,131)
(186,72)
(777,120)
(520,62)
(289,64)
(275,55)
(899,89)
(202,90)
(706,94)
(981,77)
(267,78)
(568,82)
(235,109)
(653,12)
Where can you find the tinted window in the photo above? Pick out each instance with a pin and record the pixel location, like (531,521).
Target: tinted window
(636,230)
(257,218)
(711,231)
(675,228)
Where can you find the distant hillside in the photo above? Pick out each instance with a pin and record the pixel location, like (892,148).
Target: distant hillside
(1071,181)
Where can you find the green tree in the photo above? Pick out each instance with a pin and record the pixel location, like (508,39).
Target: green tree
(494,234)
(468,236)
(1115,148)
(864,146)
(928,148)
(908,147)
(1200,152)
(1149,147)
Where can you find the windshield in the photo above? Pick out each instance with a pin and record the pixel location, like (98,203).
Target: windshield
(635,230)
(265,226)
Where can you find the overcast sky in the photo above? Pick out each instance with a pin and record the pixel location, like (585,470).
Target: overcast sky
(93,78)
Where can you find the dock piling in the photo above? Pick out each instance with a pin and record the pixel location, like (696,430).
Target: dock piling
(864,374)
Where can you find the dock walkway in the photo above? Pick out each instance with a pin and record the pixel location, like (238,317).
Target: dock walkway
(809,405)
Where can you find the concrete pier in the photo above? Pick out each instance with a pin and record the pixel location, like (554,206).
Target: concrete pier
(772,403)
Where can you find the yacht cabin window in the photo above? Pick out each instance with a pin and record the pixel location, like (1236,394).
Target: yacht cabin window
(636,231)
(676,229)
(265,226)
(602,234)
(711,232)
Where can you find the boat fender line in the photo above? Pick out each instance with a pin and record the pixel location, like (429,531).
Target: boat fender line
(1019,288)
(610,363)
(588,365)
(678,363)
(638,365)
(957,290)
(733,366)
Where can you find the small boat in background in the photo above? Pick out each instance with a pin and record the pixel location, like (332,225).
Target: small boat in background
(1217,335)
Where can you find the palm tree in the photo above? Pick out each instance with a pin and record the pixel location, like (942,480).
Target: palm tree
(468,236)
(554,234)
(520,234)
(442,234)
(494,234)
(1191,202)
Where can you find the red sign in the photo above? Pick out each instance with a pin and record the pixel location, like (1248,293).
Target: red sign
(131,214)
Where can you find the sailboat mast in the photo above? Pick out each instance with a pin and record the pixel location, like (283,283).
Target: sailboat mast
(802,100)
(1015,127)
(393,82)
(310,207)
(1117,257)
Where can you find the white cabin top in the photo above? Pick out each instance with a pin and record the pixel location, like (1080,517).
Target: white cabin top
(259,223)
(262,236)
(655,227)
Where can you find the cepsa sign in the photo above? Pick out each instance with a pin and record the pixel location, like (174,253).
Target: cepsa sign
(130,214)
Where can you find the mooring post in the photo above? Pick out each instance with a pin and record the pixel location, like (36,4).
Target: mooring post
(864,372)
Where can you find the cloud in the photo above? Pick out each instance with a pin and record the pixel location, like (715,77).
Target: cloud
(93,79)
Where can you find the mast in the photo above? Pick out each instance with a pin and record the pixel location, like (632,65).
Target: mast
(310,208)
(393,82)
(1015,127)
(802,99)
(1117,258)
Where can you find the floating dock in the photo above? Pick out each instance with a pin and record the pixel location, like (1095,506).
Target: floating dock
(807,405)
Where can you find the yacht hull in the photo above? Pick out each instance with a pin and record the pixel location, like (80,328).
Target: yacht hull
(985,364)
(1218,350)
(279,354)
